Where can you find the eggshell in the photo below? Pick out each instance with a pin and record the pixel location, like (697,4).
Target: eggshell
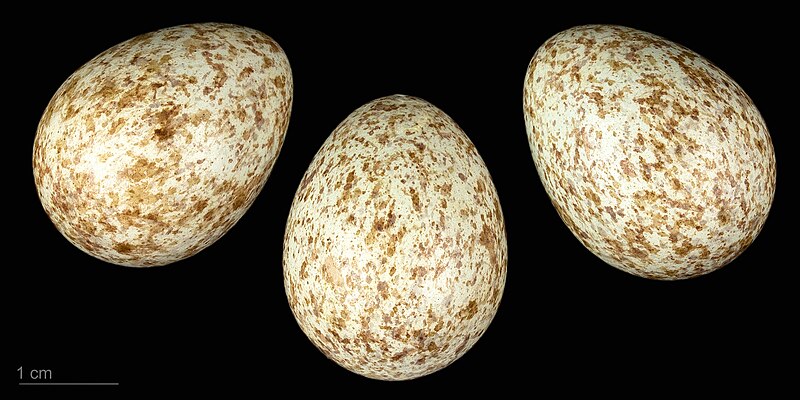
(395,247)
(656,160)
(155,148)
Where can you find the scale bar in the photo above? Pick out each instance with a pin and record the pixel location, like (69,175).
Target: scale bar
(69,383)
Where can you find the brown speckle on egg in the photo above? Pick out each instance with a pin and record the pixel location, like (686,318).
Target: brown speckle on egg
(656,160)
(395,247)
(155,148)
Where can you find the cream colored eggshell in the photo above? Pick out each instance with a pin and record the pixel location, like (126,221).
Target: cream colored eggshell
(155,148)
(395,248)
(657,160)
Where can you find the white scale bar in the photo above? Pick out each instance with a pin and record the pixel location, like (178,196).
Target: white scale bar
(69,383)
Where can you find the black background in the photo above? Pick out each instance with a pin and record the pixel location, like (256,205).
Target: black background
(567,321)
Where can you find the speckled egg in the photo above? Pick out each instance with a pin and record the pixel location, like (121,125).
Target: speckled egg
(656,160)
(154,149)
(395,248)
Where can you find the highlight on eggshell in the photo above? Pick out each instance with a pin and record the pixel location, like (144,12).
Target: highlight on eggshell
(395,247)
(154,149)
(656,160)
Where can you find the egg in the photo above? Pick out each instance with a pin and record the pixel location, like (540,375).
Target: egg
(395,248)
(154,149)
(656,160)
